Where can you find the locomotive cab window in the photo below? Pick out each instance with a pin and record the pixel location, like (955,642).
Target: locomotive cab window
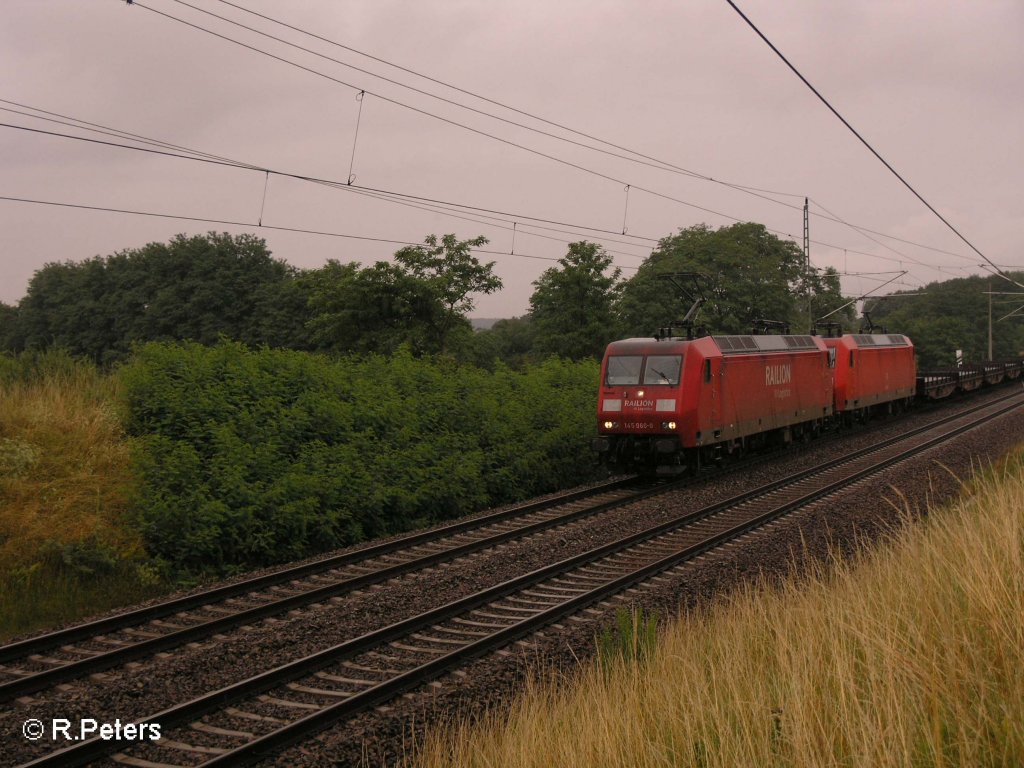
(663,369)
(707,371)
(623,370)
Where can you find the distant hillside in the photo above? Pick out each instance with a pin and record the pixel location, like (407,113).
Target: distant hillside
(483,323)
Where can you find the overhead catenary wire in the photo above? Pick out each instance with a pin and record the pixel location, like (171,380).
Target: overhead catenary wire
(861,298)
(103,130)
(491,221)
(249,224)
(864,141)
(360,97)
(663,164)
(192,155)
(556,159)
(266,186)
(301,177)
(644,159)
(395,196)
(865,233)
(384,196)
(418,110)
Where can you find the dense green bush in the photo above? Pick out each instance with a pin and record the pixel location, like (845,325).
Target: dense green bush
(246,457)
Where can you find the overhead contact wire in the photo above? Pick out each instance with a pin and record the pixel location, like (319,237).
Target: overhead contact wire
(461,125)
(388,193)
(249,224)
(446,120)
(864,141)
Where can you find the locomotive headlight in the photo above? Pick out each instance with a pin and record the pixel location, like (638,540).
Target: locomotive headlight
(639,393)
(609,425)
(668,425)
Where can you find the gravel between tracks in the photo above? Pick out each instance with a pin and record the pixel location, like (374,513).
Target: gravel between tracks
(377,737)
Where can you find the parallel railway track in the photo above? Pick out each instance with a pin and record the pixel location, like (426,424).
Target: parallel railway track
(249,720)
(43,661)
(109,642)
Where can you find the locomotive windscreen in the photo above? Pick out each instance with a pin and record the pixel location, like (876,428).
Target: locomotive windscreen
(623,370)
(630,370)
(662,369)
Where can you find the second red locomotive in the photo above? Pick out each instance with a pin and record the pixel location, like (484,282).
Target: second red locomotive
(872,371)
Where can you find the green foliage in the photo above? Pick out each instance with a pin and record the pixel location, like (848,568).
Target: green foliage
(197,288)
(372,309)
(511,341)
(953,315)
(419,301)
(202,288)
(826,299)
(750,274)
(450,274)
(571,308)
(10,329)
(632,639)
(246,457)
(36,366)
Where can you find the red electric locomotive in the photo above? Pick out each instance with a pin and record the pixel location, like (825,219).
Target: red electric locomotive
(674,403)
(872,371)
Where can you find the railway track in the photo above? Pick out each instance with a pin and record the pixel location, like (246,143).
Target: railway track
(40,662)
(251,719)
(43,661)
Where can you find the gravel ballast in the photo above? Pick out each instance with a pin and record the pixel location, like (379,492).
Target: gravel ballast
(863,513)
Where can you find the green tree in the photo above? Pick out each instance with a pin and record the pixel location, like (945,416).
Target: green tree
(283,312)
(826,299)
(197,288)
(749,274)
(452,274)
(10,330)
(370,309)
(571,309)
(201,287)
(950,315)
(510,341)
(73,306)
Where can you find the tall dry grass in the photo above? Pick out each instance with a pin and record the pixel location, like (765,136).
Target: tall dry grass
(913,656)
(66,546)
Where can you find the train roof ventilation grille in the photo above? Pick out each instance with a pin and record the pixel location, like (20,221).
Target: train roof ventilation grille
(737,344)
(800,342)
(880,340)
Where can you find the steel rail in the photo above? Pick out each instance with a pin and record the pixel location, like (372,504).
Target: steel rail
(217,594)
(85,751)
(107,659)
(295,731)
(135,618)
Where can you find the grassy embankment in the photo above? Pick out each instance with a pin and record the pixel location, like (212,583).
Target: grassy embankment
(65,548)
(912,656)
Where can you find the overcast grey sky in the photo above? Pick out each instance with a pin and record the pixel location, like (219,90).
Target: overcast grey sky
(935,86)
